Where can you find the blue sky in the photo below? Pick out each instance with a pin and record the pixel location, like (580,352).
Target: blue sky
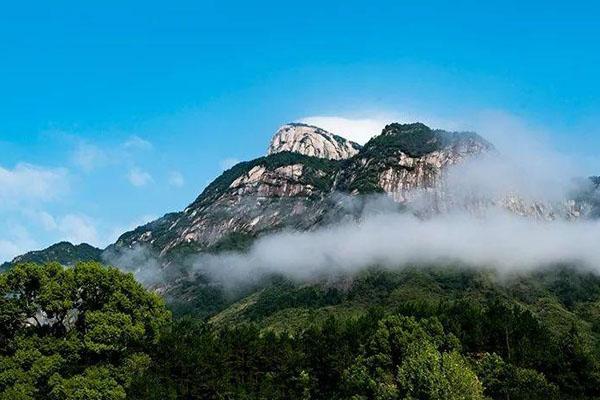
(113,115)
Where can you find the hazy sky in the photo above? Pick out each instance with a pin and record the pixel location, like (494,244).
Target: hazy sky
(113,115)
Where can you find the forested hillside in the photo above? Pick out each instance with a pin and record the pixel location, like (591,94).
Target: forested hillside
(420,333)
(92,332)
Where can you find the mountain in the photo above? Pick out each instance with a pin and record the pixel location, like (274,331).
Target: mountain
(304,182)
(64,252)
(405,157)
(293,188)
(528,335)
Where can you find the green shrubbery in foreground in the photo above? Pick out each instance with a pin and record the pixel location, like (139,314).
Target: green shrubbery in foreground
(74,333)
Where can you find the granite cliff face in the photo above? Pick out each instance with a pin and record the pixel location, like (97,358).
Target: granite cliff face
(312,141)
(281,190)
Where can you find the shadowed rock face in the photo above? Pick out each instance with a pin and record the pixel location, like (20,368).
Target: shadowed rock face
(312,141)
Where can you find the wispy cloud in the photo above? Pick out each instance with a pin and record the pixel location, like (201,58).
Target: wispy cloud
(78,228)
(16,241)
(359,130)
(117,231)
(138,177)
(90,156)
(28,182)
(176,179)
(137,143)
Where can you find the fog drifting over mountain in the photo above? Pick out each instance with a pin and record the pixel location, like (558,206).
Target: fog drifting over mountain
(524,165)
(499,240)
(377,234)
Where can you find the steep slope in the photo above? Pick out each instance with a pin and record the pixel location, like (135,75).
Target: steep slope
(64,252)
(280,190)
(312,141)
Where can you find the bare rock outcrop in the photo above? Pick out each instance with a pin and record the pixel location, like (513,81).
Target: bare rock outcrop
(312,141)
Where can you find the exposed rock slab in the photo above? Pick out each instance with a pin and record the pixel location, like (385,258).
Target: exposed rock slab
(312,141)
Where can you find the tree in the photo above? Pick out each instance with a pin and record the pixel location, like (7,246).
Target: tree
(411,359)
(506,381)
(427,374)
(74,333)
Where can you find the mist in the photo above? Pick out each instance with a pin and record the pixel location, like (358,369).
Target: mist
(498,240)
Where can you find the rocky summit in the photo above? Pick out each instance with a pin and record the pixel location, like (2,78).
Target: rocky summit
(312,141)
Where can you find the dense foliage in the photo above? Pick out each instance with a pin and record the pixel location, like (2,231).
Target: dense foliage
(74,333)
(91,332)
(427,333)
(414,139)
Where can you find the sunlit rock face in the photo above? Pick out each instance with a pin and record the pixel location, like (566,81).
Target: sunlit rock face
(312,141)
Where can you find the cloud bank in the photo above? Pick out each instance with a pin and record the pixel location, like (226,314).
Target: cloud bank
(499,240)
(138,177)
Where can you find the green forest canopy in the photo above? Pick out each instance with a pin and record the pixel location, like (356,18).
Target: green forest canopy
(93,332)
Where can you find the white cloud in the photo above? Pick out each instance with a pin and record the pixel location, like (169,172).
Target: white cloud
(9,250)
(137,143)
(18,242)
(227,163)
(138,177)
(117,231)
(359,130)
(78,228)
(497,240)
(176,179)
(27,182)
(41,218)
(89,157)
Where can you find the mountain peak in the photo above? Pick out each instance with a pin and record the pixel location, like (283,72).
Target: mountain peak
(312,141)
(397,127)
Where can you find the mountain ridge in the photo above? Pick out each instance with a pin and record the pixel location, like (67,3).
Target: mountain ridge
(293,190)
(64,252)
